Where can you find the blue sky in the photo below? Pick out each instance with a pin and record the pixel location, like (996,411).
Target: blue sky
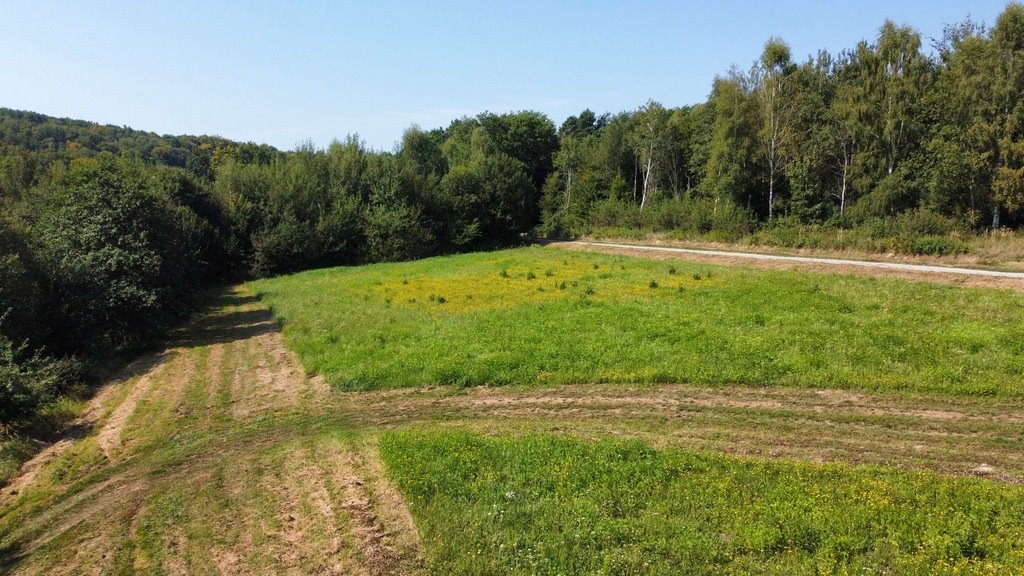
(284,73)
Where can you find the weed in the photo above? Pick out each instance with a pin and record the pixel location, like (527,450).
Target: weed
(561,285)
(549,272)
(671,269)
(652,284)
(696,275)
(530,275)
(503,273)
(589,291)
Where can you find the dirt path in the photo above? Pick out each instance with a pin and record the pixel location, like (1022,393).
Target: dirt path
(159,451)
(904,271)
(958,436)
(78,429)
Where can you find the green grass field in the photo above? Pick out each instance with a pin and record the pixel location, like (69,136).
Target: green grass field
(223,454)
(552,505)
(546,316)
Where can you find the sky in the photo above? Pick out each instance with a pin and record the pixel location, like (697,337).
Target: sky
(289,73)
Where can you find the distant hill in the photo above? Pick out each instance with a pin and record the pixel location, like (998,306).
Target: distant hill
(65,138)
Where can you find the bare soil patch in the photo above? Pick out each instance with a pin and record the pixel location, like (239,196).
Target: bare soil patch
(943,434)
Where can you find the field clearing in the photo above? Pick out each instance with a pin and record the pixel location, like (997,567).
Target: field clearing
(552,505)
(223,455)
(500,318)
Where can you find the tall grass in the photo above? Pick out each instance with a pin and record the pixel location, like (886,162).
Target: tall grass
(551,505)
(479,319)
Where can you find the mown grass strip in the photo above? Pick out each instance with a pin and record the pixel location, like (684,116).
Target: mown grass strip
(547,316)
(543,504)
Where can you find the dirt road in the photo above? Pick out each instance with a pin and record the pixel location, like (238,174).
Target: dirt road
(966,276)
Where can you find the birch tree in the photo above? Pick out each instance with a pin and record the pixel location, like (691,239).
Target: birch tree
(649,138)
(771,74)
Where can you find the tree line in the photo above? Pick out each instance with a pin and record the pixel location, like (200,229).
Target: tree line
(102,246)
(107,234)
(881,130)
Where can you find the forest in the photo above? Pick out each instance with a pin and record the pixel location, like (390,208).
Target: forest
(110,234)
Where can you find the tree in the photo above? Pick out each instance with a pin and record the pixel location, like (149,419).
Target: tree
(813,171)
(1008,91)
(120,259)
(677,153)
(902,74)
(650,139)
(732,165)
(527,136)
(568,160)
(963,148)
(770,80)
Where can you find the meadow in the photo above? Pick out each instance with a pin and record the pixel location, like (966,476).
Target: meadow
(547,317)
(553,505)
(224,454)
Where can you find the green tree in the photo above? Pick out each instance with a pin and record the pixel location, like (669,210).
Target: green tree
(651,142)
(1008,93)
(770,78)
(121,260)
(733,162)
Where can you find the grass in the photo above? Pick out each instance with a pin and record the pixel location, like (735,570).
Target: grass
(212,473)
(231,460)
(480,319)
(551,505)
(13,452)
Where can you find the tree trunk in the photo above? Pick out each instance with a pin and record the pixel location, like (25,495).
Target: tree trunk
(647,178)
(568,187)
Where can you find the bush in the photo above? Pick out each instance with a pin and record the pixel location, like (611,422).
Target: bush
(122,260)
(937,246)
(395,232)
(616,214)
(27,381)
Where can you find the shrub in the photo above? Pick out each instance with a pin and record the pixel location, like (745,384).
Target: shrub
(396,232)
(27,381)
(121,259)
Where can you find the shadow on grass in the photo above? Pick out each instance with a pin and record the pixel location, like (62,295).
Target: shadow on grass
(10,557)
(225,319)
